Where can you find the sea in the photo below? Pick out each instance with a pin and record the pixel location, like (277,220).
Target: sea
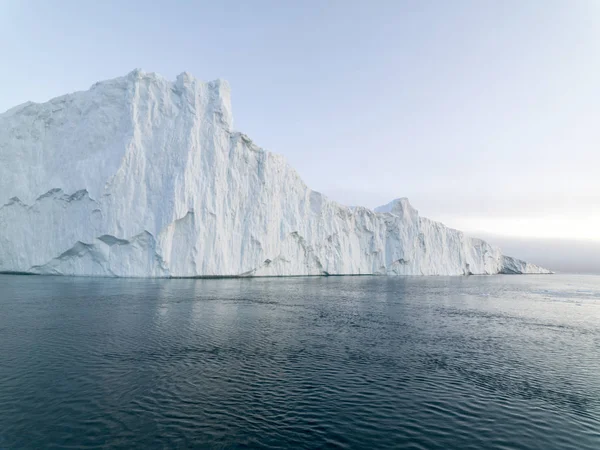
(478,362)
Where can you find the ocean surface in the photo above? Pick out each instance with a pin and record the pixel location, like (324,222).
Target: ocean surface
(499,362)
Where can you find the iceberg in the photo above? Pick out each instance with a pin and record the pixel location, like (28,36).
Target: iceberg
(143,177)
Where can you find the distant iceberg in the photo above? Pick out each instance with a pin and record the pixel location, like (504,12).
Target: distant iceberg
(143,177)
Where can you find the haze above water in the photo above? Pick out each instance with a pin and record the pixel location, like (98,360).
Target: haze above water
(340,362)
(560,255)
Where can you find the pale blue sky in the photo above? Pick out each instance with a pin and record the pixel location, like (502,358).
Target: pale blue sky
(486,114)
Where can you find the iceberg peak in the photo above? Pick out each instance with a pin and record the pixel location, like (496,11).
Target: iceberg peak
(399,207)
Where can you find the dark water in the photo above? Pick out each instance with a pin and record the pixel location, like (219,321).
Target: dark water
(504,362)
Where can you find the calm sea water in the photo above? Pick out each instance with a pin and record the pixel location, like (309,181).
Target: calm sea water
(503,362)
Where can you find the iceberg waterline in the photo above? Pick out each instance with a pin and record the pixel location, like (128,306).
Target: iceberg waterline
(143,177)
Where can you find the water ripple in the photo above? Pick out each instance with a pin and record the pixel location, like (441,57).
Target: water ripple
(416,363)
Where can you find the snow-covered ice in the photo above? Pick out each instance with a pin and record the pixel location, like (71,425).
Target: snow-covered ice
(140,176)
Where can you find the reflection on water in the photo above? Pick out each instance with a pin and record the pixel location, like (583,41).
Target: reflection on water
(351,362)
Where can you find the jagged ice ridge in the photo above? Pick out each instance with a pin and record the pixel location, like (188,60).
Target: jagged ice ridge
(143,177)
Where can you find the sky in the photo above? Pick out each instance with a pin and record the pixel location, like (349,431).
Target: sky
(485,114)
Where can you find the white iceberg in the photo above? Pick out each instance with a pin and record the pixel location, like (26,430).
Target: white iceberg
(144,177)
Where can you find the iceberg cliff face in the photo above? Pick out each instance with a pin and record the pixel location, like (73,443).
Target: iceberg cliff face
(144,177)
